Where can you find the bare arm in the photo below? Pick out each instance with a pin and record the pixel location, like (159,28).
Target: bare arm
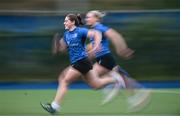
(63,45)
(97,40)
(119,43)
(58,44)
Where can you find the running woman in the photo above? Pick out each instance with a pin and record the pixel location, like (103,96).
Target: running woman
(74,40)
(105,62)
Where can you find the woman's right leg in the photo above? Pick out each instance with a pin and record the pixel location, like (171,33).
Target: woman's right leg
(100,69)
(104,73)
(71,75)
(96,82)
(93,79)
(61,78)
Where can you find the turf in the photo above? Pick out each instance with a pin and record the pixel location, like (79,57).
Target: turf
(164,102)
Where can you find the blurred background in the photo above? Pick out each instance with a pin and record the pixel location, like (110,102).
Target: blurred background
(150,27)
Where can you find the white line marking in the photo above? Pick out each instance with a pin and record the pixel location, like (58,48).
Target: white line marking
(165,91)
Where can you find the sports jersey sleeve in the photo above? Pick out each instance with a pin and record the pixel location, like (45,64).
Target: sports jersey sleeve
(104,29)
(84,32)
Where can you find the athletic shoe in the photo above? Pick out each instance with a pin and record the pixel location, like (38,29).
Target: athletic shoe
(129,81)
(48,108)
(112,90)
(122,71)
(139,100)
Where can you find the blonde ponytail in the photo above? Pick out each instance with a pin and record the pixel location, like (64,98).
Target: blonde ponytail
(98,14)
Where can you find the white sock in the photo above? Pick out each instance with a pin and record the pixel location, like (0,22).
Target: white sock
(118,78)
(55,106)
(114,75)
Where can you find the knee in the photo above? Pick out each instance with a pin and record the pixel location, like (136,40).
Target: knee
(96,86)
(61,77)
(64,81)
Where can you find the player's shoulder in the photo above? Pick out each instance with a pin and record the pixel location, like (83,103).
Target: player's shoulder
(66,32)
(101,26)
(82,28)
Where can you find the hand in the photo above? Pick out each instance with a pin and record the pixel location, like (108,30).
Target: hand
(91,50)
(91,54)
(55,44)
(126,53)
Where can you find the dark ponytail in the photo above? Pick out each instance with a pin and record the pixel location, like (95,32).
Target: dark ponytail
(76,18)
(80,19)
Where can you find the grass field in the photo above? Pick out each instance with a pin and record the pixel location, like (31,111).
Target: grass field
(164,102)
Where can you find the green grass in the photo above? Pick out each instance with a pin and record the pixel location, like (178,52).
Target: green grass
(85,103)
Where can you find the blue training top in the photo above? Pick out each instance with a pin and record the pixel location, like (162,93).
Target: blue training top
(104,42)
(75,41)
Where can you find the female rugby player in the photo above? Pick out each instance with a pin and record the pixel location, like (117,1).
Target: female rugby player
(105,62)
(74,40)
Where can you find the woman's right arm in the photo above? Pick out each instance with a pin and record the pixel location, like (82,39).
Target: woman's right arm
(58,44)
(97,40)
(120,45)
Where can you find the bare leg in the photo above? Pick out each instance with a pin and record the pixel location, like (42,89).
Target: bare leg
(71,75)
(106,73)
(94,81)
(68,75)
(61,77)
(97,83)
(100,69)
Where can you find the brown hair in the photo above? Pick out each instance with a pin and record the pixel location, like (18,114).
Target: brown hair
(76,18)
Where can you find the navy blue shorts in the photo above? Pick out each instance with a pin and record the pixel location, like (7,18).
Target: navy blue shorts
(107,61)
(83,65)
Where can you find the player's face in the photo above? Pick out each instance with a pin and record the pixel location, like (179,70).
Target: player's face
(90,19)
(67,23)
